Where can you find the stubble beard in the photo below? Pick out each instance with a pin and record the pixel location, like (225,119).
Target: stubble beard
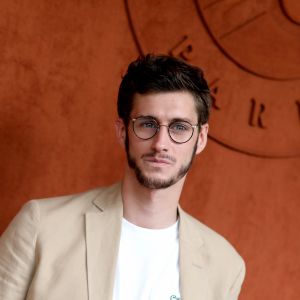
(153,183)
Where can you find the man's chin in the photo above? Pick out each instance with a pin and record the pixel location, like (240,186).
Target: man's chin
(155,183)
(153,178)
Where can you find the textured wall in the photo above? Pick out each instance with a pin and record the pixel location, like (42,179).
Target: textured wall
(60,67)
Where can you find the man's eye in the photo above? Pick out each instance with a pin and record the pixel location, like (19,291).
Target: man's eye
(179,127)
(148,124)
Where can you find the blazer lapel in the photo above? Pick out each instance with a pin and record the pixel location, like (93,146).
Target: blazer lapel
(103,229)
(193,274)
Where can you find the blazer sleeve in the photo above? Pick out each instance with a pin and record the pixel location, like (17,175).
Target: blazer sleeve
(236,286)
(17,253)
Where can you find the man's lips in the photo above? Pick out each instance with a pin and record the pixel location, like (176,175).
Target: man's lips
(159,159)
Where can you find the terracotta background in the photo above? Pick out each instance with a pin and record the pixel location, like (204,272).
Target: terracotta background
(60,67)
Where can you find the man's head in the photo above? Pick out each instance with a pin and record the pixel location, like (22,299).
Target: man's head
(163,105)
(161,73)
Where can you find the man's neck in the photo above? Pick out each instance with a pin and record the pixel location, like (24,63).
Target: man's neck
(150,208)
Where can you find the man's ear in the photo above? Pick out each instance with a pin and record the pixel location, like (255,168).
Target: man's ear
(202,139)
(120,131)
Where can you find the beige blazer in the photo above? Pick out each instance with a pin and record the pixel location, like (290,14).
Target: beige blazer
(66,248)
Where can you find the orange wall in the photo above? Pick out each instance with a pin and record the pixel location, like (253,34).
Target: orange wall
(60,66)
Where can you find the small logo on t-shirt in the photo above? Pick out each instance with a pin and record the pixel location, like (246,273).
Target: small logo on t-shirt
(173,297)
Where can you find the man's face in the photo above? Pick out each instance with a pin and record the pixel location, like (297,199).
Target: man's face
(160,162)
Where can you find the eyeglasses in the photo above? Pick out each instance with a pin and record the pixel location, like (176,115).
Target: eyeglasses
(179,131)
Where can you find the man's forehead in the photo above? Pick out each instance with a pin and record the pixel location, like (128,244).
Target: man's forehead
(165,105)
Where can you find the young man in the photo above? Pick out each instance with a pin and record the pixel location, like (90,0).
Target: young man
(131,240)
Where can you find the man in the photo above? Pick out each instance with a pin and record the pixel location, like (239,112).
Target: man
(131,240)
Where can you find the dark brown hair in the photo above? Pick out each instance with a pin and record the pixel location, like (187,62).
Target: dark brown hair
(163,73)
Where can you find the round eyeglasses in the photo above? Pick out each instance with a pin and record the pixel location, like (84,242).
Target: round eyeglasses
(179,131)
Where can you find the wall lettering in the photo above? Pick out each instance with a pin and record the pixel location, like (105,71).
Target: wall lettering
(214,88)
(183,49)
(256,114)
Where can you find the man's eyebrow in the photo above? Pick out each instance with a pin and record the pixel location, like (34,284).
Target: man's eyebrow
(146,116)
(177,119)
(181,119)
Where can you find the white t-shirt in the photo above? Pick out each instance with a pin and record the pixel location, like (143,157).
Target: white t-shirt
(148,264)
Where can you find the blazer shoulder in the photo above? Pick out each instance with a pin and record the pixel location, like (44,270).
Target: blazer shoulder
(216,245)
(74,202)
(59,211)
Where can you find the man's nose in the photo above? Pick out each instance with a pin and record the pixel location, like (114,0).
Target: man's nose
(161,141)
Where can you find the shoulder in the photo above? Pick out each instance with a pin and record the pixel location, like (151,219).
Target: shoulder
(218,250)
(42,231)
(73,204)
(56,210)
(225,268)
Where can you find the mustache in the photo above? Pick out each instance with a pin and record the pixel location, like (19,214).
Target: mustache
(159,156)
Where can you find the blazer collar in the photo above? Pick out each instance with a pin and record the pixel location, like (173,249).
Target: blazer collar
(103,230)
(192,261)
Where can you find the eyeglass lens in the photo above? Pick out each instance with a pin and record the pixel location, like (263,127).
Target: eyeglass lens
(146,128)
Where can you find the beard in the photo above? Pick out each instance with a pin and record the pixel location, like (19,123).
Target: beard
(153,183)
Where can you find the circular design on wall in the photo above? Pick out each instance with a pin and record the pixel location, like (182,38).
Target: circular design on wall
(291,10)
(245,32)
(242,47)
